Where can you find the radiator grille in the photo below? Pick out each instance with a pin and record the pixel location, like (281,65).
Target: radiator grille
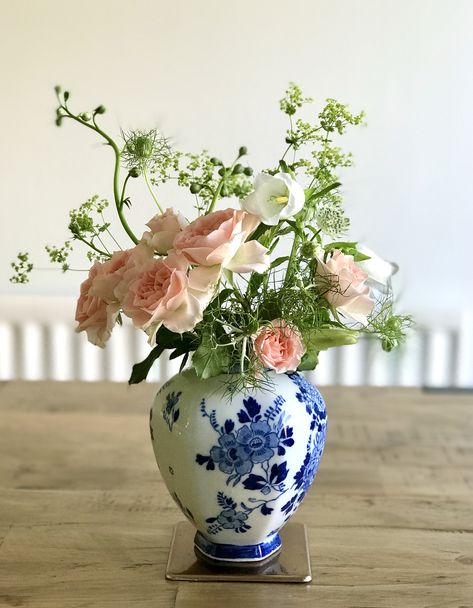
(48,348)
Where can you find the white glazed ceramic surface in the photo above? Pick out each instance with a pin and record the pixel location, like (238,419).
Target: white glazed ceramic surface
(238,467)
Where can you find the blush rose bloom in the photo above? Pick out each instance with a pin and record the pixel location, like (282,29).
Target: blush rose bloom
(163,292)
(219,239)
(94,315)
(279,347)
(346,290)
(109,275)
(163,229)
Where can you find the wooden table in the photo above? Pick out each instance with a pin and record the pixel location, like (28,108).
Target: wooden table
(85,519)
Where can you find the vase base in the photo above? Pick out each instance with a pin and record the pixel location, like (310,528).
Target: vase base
(288,564)
(234,555)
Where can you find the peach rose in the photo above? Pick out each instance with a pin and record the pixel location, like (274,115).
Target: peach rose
(164,293)
(163,230)
(134,260)
(346,290)
(109,275)
(95,316)
(219,239)
(279,347)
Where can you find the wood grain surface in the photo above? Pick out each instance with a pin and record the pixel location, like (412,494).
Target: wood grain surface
(85,519)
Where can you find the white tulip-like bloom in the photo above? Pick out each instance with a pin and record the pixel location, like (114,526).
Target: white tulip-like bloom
(274,198)
(379,271)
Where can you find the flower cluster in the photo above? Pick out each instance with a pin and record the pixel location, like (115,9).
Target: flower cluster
(254,284)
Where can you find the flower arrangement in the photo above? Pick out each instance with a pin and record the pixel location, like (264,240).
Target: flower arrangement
(261,278)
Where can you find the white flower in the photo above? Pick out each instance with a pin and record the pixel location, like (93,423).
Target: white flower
(379,271)
(274,198)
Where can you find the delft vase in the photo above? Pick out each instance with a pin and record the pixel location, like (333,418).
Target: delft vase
(238,467)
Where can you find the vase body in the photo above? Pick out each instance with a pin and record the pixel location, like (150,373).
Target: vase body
(239,465)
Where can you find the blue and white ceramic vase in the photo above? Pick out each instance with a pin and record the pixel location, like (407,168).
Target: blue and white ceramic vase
(239,466)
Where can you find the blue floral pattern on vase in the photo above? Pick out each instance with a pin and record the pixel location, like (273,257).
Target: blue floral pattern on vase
(228,518)
(245,456)
(171,411)
(312,399)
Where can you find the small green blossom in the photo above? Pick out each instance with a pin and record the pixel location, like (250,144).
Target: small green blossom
(22,268)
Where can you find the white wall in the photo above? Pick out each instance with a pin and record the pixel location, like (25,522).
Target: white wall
(210,73)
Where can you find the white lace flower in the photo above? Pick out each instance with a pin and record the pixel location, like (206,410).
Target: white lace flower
(274,198)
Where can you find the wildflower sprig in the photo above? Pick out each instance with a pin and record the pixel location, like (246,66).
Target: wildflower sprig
(22,268)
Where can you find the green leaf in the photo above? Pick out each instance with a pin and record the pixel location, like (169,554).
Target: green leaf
(360,257)
(140,370)
(349,248)
(331,336)
(285,168)
(320,193)
(342,245)
(165,339)
(278,261)
(209,359)
(309,360)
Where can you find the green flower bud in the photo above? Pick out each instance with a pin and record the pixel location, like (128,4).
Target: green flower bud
(224,191)
(238,169)
(216,161)
(221,171)
(308,250)
(57,88)
(58,121)
(242,151)
(289,140)
(100,110)
(195,188)
(248,171)
(85,116)
(388,345)
(66,95)
(134,172)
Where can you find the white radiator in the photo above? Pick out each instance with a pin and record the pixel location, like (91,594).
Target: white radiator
(37,341)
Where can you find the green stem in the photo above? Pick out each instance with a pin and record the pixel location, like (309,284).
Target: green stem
(145,175)
(92,246)
(125,182)
(215,196)
(110,234)
(292,260)
(243,355)
(116,171)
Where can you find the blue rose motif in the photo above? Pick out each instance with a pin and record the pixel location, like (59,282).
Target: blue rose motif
(230,519)
(259,440)
(231,455)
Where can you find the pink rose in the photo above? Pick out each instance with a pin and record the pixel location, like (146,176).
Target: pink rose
(279,347)
(346,289)
(164,293)
(163,230)
(109,275)
(95,316)
(134,261)
(219,239)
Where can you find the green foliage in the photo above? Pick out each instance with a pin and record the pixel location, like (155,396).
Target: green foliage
(209,179)
(389,328)
(211,358)
(60,255)
(348,248)
(329,337)
(165,340)
(22,268)
(293,99)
